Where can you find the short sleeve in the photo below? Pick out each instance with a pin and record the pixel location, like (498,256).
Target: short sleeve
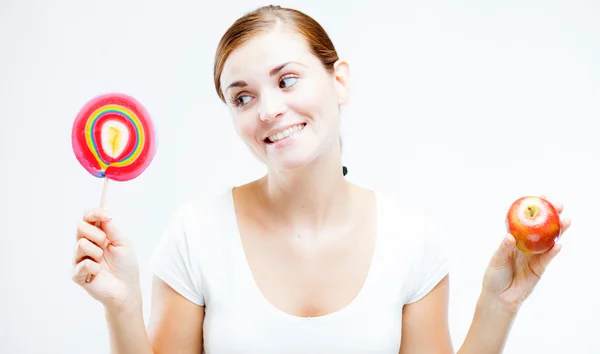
(171,261)
(431,264)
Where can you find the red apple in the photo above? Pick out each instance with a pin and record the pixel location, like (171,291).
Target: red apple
(534,223)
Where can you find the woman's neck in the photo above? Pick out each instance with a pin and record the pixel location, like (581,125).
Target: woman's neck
(306,197)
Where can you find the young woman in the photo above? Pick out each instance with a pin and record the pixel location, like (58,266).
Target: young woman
(300,260)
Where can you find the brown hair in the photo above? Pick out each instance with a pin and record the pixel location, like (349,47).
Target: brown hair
(264,19)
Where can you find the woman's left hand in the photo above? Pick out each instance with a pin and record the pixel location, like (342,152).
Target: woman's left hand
(512,274)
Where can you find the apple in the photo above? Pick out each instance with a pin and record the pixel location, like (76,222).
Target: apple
(534,223)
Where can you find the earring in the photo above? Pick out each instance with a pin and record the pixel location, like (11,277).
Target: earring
(344,170)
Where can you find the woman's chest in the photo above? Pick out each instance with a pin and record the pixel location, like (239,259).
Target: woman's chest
(367,327)
(308,280)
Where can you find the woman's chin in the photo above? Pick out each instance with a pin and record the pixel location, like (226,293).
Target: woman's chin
(290,161)
(289,165)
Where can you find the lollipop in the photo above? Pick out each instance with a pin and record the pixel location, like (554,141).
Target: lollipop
(113,138)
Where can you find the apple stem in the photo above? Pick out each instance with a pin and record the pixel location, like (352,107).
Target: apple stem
(531,211)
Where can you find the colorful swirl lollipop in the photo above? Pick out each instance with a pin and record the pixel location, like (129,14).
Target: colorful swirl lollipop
(113,138)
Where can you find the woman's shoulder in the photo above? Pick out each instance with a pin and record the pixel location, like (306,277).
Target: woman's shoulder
(201,215)
(407,224)
(401,212)
(207,206)
(413,244)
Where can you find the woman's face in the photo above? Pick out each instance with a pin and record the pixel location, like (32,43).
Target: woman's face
(284,103)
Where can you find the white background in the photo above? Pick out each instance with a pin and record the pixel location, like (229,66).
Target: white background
(458,107)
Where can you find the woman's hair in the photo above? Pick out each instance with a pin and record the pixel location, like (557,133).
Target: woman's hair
(265,19)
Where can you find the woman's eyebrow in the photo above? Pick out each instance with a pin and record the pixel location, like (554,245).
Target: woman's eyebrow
(278,68)
(273,72)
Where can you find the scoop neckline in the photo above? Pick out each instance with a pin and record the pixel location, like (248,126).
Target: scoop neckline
(257,294)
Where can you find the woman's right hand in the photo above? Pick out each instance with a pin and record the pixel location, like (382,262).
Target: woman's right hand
(106,255)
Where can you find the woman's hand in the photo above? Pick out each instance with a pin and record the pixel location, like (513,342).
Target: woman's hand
(512,274)
(105,257)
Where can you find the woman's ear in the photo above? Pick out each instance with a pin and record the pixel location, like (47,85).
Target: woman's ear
(342,80)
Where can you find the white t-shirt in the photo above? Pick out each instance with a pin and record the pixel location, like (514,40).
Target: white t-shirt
(202,258)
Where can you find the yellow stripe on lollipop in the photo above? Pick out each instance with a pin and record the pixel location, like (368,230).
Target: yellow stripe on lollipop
(114,139)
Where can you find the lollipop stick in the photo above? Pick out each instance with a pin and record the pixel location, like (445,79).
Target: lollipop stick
(102,200)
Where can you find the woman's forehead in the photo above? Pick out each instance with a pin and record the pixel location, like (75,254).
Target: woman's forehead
(262,53)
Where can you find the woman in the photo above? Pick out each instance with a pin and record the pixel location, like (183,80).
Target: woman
(300,260)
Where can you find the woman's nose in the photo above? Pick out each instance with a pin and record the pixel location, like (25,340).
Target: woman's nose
(272,106)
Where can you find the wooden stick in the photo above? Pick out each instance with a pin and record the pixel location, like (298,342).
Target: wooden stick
(102,202)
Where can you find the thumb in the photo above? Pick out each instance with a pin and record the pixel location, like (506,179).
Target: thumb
(503,254)
(113,234)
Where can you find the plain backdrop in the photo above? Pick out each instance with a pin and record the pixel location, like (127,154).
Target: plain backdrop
(457,107)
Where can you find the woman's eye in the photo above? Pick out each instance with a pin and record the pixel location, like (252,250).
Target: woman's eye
(242,100)
(287,82)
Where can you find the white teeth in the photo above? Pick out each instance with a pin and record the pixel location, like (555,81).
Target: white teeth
(286,133)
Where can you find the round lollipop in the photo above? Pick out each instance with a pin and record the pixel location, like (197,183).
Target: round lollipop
(113,138)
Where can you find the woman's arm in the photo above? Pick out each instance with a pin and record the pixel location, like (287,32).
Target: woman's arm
(509,279)
(489,329)
(175,325)
(425,326)
(126,329)
(425,323)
